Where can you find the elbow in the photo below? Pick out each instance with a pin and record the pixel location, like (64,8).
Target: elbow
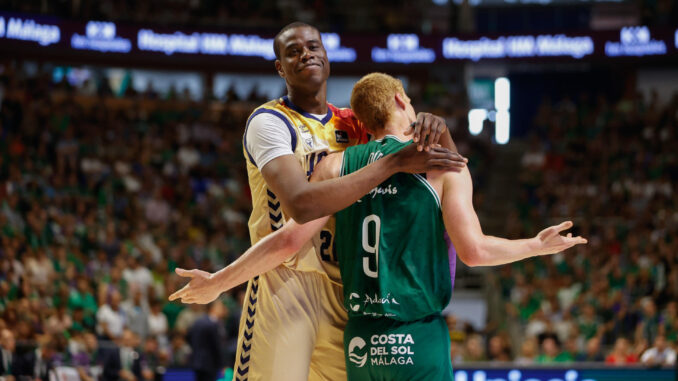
(472,256)
(289,245)
(301,211)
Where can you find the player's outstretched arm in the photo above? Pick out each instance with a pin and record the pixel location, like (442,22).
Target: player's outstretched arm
(477,249)
(267,254)
(305,201)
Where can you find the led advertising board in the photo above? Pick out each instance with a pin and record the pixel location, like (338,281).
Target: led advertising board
(50,37)
(518,47)
(29,30)
(403,48)
(100,36)
(635,41)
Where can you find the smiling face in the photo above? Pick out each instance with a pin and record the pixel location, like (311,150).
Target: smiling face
(303,60)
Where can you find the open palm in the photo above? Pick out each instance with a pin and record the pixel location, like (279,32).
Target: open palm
(551,241)
(202,288)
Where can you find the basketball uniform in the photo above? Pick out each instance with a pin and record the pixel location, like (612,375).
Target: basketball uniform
(396,273)
(291,328)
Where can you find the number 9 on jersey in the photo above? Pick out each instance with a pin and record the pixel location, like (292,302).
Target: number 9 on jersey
(371,248)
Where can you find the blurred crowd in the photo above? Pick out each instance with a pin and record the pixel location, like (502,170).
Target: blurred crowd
(611,166)
(100,200)
(102,197)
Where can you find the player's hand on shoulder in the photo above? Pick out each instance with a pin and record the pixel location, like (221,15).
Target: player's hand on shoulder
(411,160)
(427,130)
(202,288)
(550,240)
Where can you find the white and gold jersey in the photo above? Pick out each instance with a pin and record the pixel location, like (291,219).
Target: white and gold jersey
(311,140)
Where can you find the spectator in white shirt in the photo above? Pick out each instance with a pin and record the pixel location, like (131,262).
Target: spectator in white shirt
(660,354)
(111,318)
(137,276)
(157,323)
(136,311)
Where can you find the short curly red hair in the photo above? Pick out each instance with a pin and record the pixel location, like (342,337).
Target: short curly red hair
(372,99)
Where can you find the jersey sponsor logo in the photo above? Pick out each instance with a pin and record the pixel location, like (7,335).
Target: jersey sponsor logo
(379,315)
(355,301)
(384,191)
(354,346)
(342,136)
(392,349)
(388,299)
(394,338)
(384,350)
(354,307)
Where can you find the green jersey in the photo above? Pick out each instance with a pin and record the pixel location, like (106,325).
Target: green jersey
(392,255)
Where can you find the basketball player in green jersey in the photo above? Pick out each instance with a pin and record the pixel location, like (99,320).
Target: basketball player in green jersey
(392,256)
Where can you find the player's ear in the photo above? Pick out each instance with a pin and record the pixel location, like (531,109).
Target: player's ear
(400,101)
(279,69)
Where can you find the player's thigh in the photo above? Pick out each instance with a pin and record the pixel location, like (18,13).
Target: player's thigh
(327,361)
(388,350)
(278,327)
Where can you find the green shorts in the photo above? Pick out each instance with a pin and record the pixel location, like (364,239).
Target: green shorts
(383,349)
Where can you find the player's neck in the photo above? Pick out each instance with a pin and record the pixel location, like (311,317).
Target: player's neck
(397,126)
(313,102)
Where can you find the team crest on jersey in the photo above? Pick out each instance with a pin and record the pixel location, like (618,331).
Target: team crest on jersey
(355,347)
(307,136)
(342,136)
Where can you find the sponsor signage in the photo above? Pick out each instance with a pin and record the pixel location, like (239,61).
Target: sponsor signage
(28,29)
(403,48)
(100,36)
(518,47)
(50,37)
(635,41)
(205,43)
(336,52)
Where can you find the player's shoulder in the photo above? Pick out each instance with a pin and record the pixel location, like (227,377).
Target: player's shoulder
(268,117)
(342,112)
(272,104)
(270,108)
(345,119)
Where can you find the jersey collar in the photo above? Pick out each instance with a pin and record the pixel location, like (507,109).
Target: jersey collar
(392,137)
(296,108)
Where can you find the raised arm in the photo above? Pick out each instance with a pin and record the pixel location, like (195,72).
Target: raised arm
(477,249)
(267,254)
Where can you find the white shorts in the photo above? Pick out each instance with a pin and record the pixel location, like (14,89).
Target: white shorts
(291,328)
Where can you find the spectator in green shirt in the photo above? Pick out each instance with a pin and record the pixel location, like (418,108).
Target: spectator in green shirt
(550,351)
(82,297)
